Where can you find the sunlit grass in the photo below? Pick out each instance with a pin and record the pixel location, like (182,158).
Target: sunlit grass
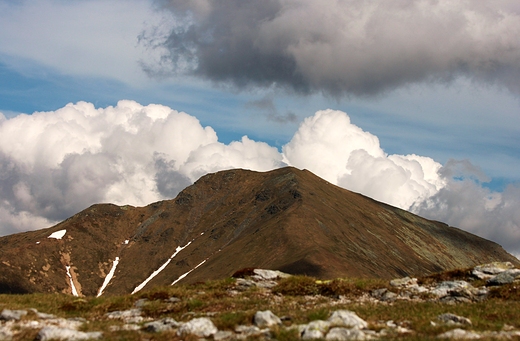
(300,299)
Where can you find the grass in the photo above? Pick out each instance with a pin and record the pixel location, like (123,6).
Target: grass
(299,298)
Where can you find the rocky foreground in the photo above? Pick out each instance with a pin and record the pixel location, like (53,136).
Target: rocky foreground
(340,324)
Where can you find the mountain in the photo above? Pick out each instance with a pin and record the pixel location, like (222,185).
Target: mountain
(286,219)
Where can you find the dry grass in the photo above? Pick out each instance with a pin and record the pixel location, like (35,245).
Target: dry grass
(300,299)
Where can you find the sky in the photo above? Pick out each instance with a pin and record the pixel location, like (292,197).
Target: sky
(413,103)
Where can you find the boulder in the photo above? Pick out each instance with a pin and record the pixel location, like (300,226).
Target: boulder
(161,325)
(266,318)
(459,334)
(9,315)
(56,333)
(347,318)
(201,327)
(341,334)
(315,330)
(454,319)
(486,271)
(505,277)
(270,274)
(403,282)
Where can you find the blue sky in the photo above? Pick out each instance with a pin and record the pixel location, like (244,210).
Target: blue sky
(441,85)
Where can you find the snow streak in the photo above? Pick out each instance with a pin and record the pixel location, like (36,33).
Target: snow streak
(74,291)
(187,273)
(58,234)
(156,272)
(109,276)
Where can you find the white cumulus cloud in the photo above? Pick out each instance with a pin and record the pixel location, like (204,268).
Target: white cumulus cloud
(54,164)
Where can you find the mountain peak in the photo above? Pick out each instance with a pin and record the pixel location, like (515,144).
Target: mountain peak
(286,219)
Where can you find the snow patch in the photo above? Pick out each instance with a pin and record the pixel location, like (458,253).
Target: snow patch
(187,273)
(156,272)
(109,276)
(58,234)
(72,286)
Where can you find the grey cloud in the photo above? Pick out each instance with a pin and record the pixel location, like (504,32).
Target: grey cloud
(352,47)
(267,106)
(466,204)
(169,182)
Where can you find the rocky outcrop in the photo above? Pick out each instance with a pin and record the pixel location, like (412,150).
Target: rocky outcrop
(341,324)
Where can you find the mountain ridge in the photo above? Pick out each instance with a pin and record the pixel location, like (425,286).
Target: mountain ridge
(286,219)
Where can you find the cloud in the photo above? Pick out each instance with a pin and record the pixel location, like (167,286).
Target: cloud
(54,164)
(337,150)
(354,47)
(471,207)
(266,106)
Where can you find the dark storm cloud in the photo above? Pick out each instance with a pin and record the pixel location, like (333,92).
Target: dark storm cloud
(350,47)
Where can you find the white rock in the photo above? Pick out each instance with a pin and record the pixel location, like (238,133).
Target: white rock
(129,316)
(505,277)
(223,335)
(341,334)
(270,274)
(247,330)
(9,315)
(201,327)
(459,334)
(266,318)
(444,288)
(493,268)
(454,319)
(403,282)
(315,330)
(347,318)
(161,325)
(56,333)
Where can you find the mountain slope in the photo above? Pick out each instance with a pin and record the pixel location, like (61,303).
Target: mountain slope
(286,219)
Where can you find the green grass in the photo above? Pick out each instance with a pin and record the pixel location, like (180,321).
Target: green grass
(299,298)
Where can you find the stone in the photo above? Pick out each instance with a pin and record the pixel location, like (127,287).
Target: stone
(266,318)
(161,325)
(459,334)
(492,268)
(129,316)
(403,282)
(56,333)
(140,302)
(223,335)
(454,319)
(201,327)
(378,293)
(9,315)
(447,287)
(131,327)
(315,330)
(347,318)
(266,284)
(247,330)
(270,274)
(244,283)
(341,334)
(505,277)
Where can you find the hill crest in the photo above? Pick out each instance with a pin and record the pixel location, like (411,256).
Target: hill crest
(286,219)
